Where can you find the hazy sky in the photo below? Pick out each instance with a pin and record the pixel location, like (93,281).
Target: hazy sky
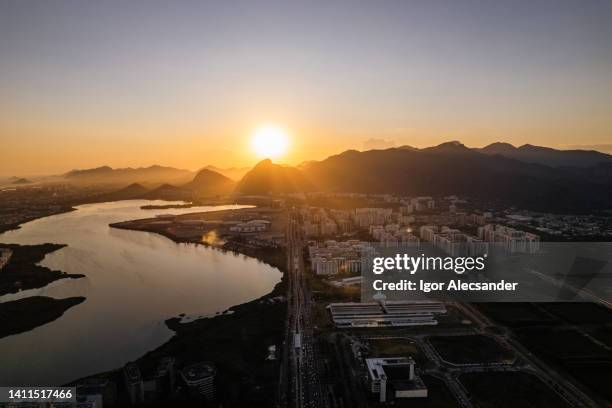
(183,83)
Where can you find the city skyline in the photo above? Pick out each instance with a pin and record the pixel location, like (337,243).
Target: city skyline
(269,203)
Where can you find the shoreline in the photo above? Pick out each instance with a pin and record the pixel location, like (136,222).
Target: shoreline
(17,225)
(23,315)
(23,271)
(237,339)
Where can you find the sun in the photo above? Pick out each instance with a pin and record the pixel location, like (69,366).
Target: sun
(269,141)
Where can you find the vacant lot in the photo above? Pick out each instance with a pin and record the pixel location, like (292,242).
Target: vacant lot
(396,347)
(476,349)
(579,313)
(510,389)
(515,314)
(562,344)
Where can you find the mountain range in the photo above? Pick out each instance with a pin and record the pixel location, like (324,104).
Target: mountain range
(206,183)
(548,156)
(528,176)
(146,175)
(450,168)
(267,177)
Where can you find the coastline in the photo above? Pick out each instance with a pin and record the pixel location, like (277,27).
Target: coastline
(17,225)
(23,315)
(237,340)
(23,271)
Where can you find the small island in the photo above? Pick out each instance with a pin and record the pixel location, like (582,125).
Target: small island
(23,272)
(23,315)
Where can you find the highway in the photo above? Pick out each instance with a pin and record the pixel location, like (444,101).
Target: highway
(302,386)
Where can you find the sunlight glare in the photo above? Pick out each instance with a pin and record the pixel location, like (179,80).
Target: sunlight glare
(269,141)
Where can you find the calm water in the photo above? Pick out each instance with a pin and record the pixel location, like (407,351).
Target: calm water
(135,281)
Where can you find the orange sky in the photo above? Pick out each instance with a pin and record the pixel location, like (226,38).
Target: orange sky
(83,85)
(68,146)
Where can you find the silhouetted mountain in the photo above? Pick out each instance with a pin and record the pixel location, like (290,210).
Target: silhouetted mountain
(133,191)
(234,173)
(453,147)
(168,192)
(209,183)
(451,168)
(103,170)
(548,156)
(498,148)
(267,177)
(21,181)
(407,147)
(146,175)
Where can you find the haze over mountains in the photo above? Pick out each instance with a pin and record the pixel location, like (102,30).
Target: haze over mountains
(206,183)
(528,176)
(234,173)
(267,177)
(151,175)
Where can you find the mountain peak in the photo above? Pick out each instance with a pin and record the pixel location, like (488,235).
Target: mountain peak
(268,177)
(453,146)
(208,175)
(265,163)
(547,155)
(407,147)
(135,185)
(209,183)
(498,147)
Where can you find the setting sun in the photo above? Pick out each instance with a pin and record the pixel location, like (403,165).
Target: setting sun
(269,141)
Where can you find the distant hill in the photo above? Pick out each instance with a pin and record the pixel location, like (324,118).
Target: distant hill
(19,181)
(548,156)
(267,177)
(168,192)
(452,168)
(206,183)
(450,148)
(104,170)
(145,175)
(234,173)
(209,183)
(133,191)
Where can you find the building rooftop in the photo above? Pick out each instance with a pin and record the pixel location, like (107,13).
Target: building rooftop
(132,372)
(198,371)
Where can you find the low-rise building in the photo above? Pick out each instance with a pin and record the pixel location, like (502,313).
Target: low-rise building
(386,314)
(251,226)
(393,378)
